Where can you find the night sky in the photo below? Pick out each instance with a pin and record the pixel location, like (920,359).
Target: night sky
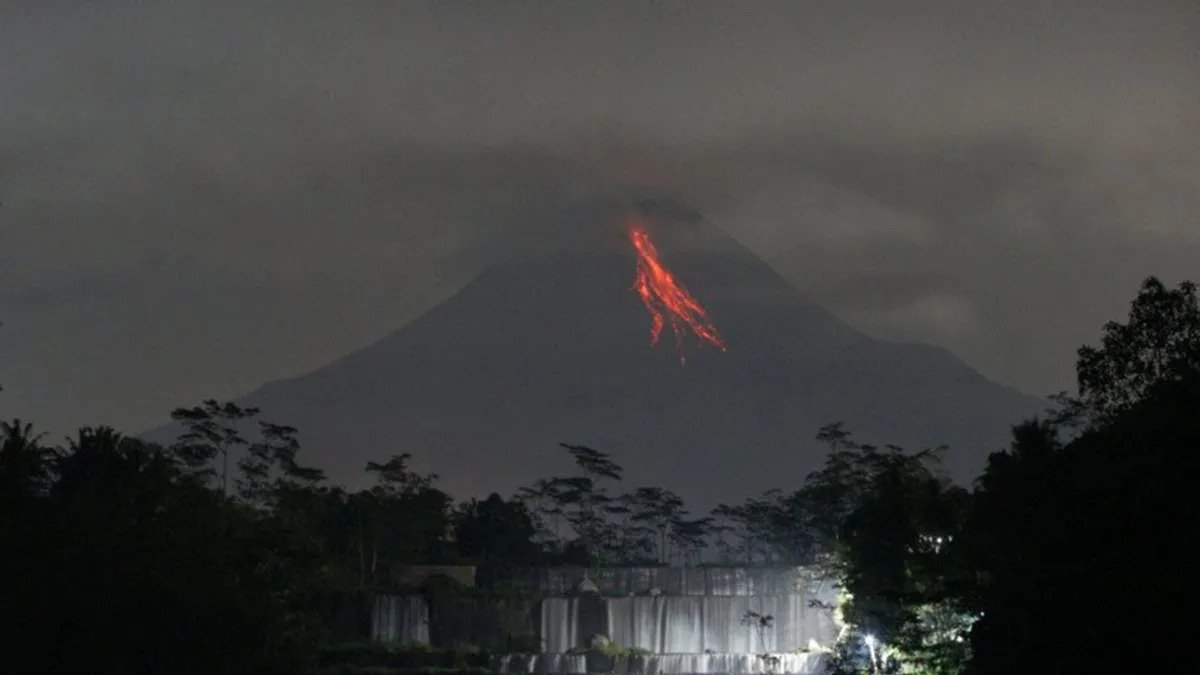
(201,196)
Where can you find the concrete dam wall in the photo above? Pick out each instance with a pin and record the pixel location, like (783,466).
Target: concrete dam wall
(657,621)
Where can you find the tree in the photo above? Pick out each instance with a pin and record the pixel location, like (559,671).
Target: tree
(1160,342)
(211,430)
(24,463)
(689,536)
(274,456)
(394,476)
(544,501)
(594,463)
(758,623)
(403,519)
(1081,543)
(751,524)
(658,509)
(586,497)
(1070,542)
(831,493)
(628,541)
(727,537)
(496,532)
(177,578)
(1013,539)
(806,525)
(897,564)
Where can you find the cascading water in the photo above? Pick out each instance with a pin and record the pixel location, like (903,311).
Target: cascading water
(400,619)
(697,624)
(662,625)
(812,663)
(690,621)
(560,625)
(699,664)
(543,664)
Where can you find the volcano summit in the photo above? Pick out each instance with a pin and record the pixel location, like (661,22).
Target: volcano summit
(553,347)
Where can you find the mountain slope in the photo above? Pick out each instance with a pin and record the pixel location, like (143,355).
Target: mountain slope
(555,348)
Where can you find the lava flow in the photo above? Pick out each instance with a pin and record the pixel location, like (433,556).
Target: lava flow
(665,299)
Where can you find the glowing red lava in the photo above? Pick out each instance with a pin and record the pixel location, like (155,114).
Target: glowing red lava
(665,299)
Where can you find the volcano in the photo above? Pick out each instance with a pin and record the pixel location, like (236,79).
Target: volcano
(553,347)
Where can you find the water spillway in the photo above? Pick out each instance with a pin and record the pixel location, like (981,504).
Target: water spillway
(696,625)
(675,621)
(685,624)
(400,619)
(812,663)
(561,628)
(630,621)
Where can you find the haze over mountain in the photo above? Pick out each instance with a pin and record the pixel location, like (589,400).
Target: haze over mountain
(554,346)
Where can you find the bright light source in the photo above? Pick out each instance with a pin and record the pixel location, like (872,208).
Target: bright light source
(871,642)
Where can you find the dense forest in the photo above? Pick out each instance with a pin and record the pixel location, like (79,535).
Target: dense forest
(223,552)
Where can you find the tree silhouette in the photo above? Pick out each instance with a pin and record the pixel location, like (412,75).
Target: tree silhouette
(1069,540)
(24,467)
(495,532)
(176,577)
(274,455)
(403,519)
(758,623)
(1160,342)
(545,501)
(211,430)
(587,496)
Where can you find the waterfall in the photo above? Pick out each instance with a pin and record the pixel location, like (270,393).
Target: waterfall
(560,625)
(723,664)
(543,664)
(663,624)
(698,621)
(669,664)
(400,619)
(696,624)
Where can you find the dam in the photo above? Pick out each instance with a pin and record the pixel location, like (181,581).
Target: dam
(628,620)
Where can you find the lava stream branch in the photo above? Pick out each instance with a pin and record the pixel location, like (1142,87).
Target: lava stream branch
(666,300)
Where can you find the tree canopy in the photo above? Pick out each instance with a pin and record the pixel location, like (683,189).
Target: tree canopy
(1079,538)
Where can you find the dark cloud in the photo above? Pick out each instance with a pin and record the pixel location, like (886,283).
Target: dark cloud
(201,196)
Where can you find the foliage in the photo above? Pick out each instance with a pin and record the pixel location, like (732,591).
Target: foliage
(211,430)
(1083,537)
(25,468)
(495,532)
(805,526)
(402,520)
(274,457)
(758,623)
(1160,342)
(120,563)
(612,649)
(644,526)
(1078,543)
(897,562)
(123,556)
(1073,538)
(111,532)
